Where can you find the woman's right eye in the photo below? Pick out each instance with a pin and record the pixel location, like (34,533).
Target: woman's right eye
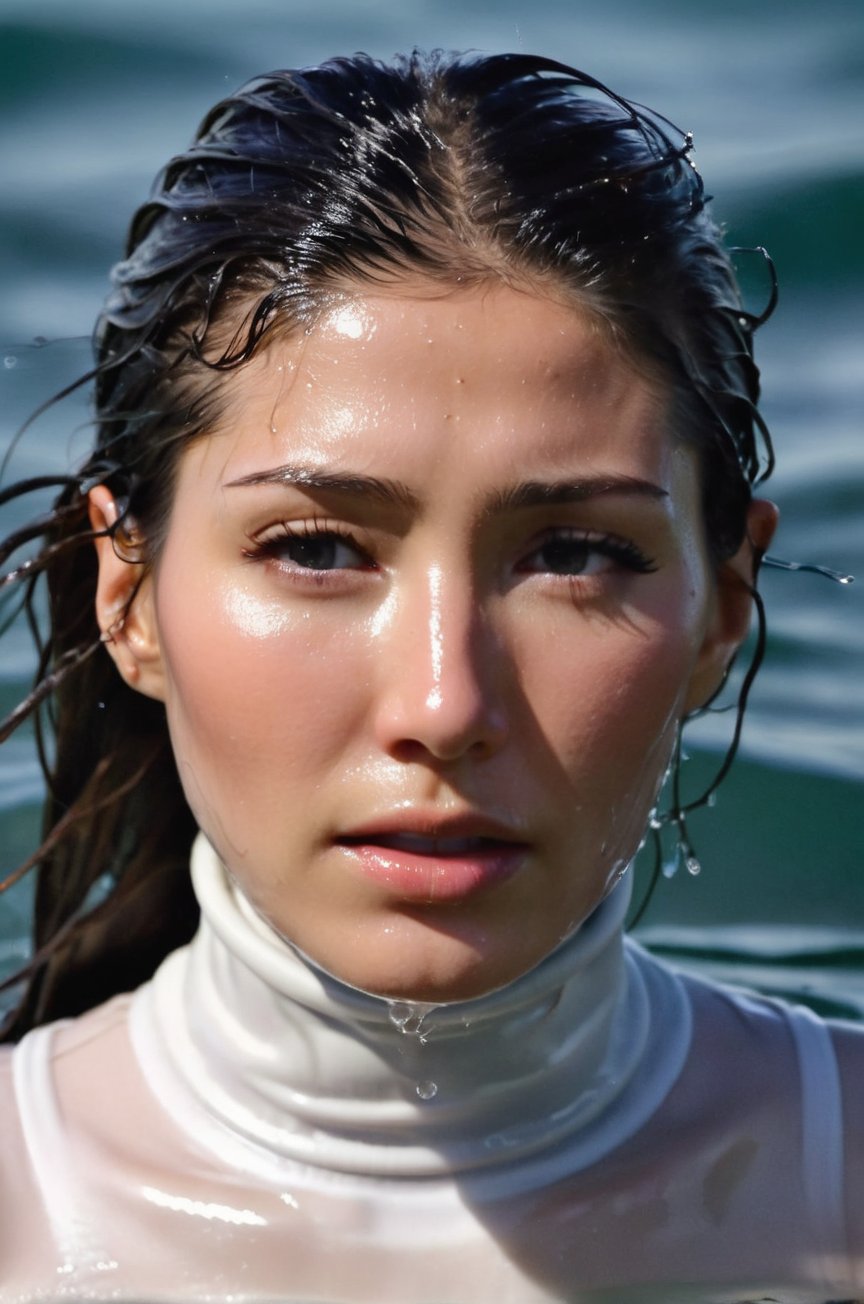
(322,552)
(310,548)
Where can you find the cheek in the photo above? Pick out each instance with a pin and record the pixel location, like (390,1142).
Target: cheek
(250,688)
(610,711)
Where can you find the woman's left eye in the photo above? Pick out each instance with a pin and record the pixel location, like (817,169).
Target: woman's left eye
(574,553)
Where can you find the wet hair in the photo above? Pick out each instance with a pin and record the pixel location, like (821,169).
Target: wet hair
(305,186)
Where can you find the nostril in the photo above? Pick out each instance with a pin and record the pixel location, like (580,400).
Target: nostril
(476,740)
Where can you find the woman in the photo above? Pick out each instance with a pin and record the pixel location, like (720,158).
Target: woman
(423,517)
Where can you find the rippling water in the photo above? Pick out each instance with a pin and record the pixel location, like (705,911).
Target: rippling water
(96,96)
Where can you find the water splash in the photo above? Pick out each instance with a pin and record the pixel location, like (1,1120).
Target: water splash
(810,568)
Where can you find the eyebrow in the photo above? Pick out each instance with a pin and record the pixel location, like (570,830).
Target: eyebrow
(530,493)
(540,493)
(391,492)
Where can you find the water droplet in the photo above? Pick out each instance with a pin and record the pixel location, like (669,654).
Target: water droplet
(10,361)
(398,1012)
(670,865)
(711,799)
(410,1019)
(693,866)
(427,1090)
(655,821)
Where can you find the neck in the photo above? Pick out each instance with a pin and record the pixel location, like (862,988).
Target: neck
(297,1062)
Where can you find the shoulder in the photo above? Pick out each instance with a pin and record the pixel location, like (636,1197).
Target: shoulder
(729,1026)
(8,1109)
(848,1041)
(54,1074)
(23,1231)
(803,1076)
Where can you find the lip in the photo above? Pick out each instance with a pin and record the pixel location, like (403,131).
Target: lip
(433,859)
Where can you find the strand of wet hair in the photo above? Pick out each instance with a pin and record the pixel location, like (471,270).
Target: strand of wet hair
(50,843)
(34,416)
(47,684)
(677,814)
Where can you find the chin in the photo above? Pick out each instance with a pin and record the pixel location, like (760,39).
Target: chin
(434,968)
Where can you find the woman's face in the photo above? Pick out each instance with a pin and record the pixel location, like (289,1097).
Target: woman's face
(432,602)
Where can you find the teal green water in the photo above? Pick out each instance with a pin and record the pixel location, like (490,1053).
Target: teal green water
(96,96)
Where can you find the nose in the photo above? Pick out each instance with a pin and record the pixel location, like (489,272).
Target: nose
(442,683)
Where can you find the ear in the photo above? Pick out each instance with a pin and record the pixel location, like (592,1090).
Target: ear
(732,605)
(125,608)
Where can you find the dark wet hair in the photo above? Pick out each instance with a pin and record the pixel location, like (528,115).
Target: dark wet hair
(302,186)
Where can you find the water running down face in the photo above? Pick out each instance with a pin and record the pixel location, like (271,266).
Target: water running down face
(432,602)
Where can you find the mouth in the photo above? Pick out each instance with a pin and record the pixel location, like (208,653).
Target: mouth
(424,845)
(435,866)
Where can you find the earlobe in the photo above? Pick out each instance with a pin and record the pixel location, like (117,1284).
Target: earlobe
(729,619)
(125,608)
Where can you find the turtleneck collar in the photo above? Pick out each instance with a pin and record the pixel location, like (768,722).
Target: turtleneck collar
(243,1033)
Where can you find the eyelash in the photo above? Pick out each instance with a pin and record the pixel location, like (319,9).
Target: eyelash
(623,552)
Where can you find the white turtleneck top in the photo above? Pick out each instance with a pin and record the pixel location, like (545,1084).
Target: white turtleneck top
(247,1128)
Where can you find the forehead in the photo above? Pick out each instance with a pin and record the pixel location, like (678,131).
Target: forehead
(509,380)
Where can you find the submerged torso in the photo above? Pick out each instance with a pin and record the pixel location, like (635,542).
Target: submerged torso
(245,1128)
